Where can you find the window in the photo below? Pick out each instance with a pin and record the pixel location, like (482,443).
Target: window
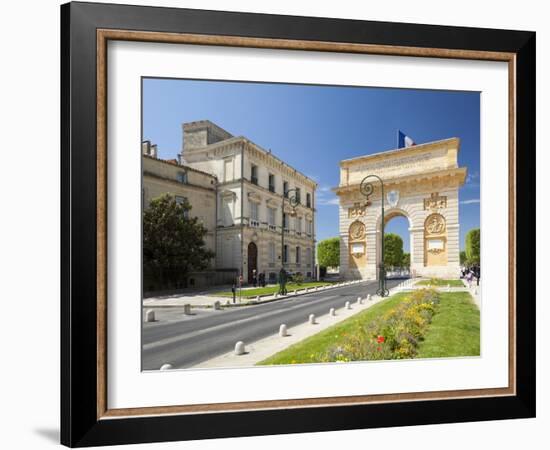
(254,174)
(309,227)
(285,189)
(308,200)
(271,219)
(298,225)
(308,257)
(227,211)
(285,221)
(298,255)
(228,169)
(298,195)
(180,201)
(254,221)
(285,253)
(272,182)
(272,252)
(182,177)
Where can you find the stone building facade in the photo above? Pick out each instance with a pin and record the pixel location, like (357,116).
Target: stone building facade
(423,182)
(238,190)
(183,182)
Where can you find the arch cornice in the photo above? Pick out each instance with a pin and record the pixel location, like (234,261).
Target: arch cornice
(452,178)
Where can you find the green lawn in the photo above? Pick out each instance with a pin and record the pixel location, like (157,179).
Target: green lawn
(440,282)
(308,350)
(454,331)
(269,290)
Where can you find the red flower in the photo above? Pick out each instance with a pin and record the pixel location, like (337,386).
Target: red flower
(380,339)
(379,349)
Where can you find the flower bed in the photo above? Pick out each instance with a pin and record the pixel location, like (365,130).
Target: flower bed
(395,335)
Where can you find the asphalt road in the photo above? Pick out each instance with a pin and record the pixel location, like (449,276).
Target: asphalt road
(184,341)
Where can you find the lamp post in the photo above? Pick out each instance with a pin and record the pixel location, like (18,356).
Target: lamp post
(366,189)
(293,201)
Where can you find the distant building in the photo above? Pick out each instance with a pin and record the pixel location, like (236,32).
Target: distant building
(236,188)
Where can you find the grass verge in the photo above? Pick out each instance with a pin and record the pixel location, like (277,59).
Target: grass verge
(270,290)
(440,282)
(454,331)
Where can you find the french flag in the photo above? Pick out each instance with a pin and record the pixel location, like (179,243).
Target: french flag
(404,141)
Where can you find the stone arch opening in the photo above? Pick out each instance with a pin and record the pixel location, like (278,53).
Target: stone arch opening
(407,236)
(252,262)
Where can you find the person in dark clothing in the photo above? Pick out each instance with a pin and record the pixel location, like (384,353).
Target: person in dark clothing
(283,277)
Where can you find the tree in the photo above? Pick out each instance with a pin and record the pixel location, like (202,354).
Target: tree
(393,250)
(328,252)
(472,246)
(406,260)
(463,258)
(173,243)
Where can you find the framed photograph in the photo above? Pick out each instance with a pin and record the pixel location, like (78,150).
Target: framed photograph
(276,224)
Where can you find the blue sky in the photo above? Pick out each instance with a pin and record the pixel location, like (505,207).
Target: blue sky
(314,127)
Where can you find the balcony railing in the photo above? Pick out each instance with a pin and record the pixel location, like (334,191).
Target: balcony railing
(272,227)
(254,223)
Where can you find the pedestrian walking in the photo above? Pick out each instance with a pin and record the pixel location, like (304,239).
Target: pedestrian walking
(469,278)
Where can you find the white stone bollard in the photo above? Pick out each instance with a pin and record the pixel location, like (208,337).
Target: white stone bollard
(369,298)
(187,309)
(315,288)
(239,348)
(306,290)
(312,319)
(359,301)
(332,312)
(295,291)
(258,298)
(150,316)
(348,305)
(166,367)
(283,330)
(217,305)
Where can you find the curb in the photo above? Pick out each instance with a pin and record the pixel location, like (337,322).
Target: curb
(255,302)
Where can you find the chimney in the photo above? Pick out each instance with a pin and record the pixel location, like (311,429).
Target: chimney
(149,149)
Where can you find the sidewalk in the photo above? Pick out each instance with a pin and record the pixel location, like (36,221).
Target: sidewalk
(474,291)
(207,301)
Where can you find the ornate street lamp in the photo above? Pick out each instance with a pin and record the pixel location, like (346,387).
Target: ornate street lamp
(293,201)
(367,189)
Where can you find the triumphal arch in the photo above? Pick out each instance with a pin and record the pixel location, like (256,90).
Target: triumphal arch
(421,183)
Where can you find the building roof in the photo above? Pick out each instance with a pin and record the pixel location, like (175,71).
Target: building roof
(174,162)
(200,124)
(417,148)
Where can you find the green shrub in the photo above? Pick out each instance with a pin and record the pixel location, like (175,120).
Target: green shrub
(298,278)
(396,335)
